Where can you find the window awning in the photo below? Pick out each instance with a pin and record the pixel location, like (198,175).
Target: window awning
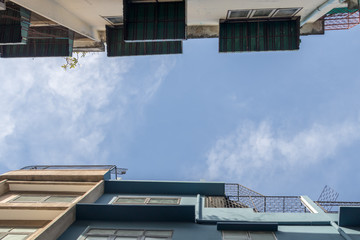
(259,35)
(116,46)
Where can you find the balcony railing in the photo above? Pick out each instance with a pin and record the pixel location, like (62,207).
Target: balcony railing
(275,204)
(238,196)
(114,170)
(333,206)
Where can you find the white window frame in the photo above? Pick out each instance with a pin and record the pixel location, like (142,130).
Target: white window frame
(45,197)
(230,11)
(252,12)
(85,234)
(248,233)
(268,16)
(146,202)
(277,10)
(107,18)
(4,234)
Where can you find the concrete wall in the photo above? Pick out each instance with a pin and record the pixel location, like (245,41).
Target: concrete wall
(192,231)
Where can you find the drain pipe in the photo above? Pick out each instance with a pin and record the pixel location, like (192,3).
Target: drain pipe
(319,9)
(342,233)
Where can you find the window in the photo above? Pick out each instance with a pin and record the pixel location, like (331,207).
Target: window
(239,14)
(126,234)
(262,13)
(147,201)
(115,20)
(10,233)
(286,12)
(42,198)
(243,235)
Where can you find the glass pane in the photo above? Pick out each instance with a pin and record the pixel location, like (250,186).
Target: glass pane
(130,200)
(262,12)
(60,199)
(239,14)
(30,230)
(96,238)
(129,233)
(4,229)
(262,236)
(15,237)
(235,235)
(158,233)
(101,231)
(28,199)
(163,201)
(286,12)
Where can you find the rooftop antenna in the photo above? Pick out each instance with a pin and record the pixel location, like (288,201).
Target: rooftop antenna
(328,195)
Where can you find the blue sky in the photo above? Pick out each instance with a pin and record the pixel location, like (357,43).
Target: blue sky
(283,123)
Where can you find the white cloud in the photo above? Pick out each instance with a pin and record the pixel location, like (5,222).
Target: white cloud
(254,153)
(52,116)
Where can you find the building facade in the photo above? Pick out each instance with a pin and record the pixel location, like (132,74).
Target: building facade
(38,28)
(84,202)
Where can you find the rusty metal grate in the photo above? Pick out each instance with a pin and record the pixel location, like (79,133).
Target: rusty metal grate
(341,19)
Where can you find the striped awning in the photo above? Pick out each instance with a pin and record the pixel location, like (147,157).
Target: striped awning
(116,46)
(260,35)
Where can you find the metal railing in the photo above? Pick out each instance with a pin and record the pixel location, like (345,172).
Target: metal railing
(114,170)
(325,205)
(274,204)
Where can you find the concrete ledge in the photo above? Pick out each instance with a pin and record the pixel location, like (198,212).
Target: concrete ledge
(135,213)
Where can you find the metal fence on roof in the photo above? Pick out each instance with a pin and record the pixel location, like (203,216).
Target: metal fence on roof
(115,171)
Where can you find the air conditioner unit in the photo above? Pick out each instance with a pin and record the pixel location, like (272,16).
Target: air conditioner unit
(2,5)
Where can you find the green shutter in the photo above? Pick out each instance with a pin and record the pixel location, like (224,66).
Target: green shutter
(154,21)
(42,42)
(116,46)
(249,36)
(14,25)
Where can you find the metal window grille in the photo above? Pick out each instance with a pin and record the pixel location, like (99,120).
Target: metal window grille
(341,19)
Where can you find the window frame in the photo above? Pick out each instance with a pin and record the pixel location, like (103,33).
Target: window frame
(248,233)
(143,236)
(297,10)
(43,199)
(252,12)
(146,202)
(230,11)
(4,234)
